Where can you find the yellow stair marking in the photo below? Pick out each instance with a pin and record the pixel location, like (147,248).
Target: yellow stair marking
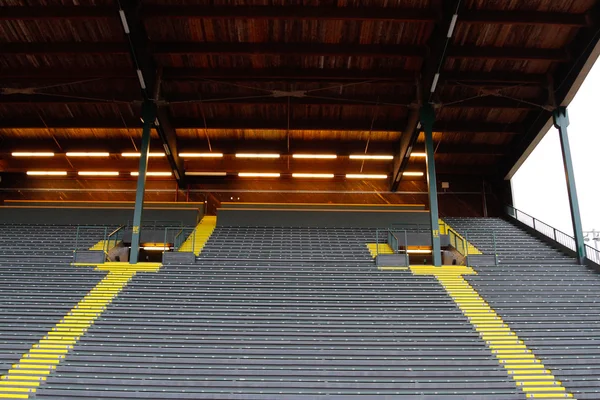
(200,235)
(30,371)
(445,229)
(381,248)
(528,372)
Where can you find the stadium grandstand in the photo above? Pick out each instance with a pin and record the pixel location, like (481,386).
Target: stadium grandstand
(290,199)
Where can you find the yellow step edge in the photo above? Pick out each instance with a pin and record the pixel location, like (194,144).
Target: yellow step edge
(518,361)
(25,383)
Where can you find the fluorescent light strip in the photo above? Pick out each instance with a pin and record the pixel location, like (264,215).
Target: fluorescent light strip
(370,157)
(417,154)
(87,154)
(412,173)
(203,155)
(200,173)
(139,154)
(32,154)
(259,174)
(156,248)
(98,173)
(418,251)
(257,155)
(47,173)
(315,156)
(366,176)
(167,173)
(302,175)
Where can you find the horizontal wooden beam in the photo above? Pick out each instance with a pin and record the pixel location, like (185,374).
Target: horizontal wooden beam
(321,125)
(56,12)
(522,18)
(296,13)
(507,53)
(281,99)
(291,13)
(63,48)
(290,49)
(26,75)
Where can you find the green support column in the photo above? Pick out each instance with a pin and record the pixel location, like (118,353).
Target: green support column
(148,116)
(427,116)
(561,122)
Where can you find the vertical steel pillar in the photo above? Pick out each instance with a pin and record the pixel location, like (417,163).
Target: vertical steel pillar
(561,122)
(148,116)
(427,116)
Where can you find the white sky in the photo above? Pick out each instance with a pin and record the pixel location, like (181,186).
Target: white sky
(539,186)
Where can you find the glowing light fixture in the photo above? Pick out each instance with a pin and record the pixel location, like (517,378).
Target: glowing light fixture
(139,154)
(201,155)
(156,248)
(201,173)
(315,156)
(302,175)
(257,155)
(32,154)
(259,174)
(370,157)
(366,176)
(417,154)
(47,173)
(412,173)
(165,173)
(418,251)
(87,154)
(98,173)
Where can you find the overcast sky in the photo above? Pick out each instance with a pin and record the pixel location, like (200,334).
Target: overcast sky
(539,186)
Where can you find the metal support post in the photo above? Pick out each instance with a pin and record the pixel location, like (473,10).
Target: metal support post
(561,122)
(148,116)
(427,116)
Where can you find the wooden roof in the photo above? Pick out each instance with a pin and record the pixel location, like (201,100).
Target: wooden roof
(345,76)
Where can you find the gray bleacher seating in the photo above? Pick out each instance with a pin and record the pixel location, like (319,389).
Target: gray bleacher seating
(550,301)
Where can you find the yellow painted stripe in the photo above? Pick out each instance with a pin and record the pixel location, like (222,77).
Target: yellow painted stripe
(101,245)
(42,358)
(381,248)
(198,238)
(528,372)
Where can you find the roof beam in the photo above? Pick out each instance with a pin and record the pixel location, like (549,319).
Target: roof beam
(63,48)
(523,18)
(507,53)
(291,49)
(437,42)
(272,74)
(278,100)
(149,80)
(318,49)
(56,12)
(231,123)
(296,13)
(566,79)
(291,13)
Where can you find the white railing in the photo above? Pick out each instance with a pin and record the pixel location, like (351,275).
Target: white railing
(558,236)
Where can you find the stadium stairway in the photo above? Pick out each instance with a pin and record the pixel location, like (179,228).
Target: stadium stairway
(198,238)
(550,301)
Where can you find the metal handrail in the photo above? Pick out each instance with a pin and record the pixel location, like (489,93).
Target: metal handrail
(114,233)
(154,223)
(551,232)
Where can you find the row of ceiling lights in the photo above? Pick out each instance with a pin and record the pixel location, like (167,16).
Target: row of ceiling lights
(208,173)
(214,155)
